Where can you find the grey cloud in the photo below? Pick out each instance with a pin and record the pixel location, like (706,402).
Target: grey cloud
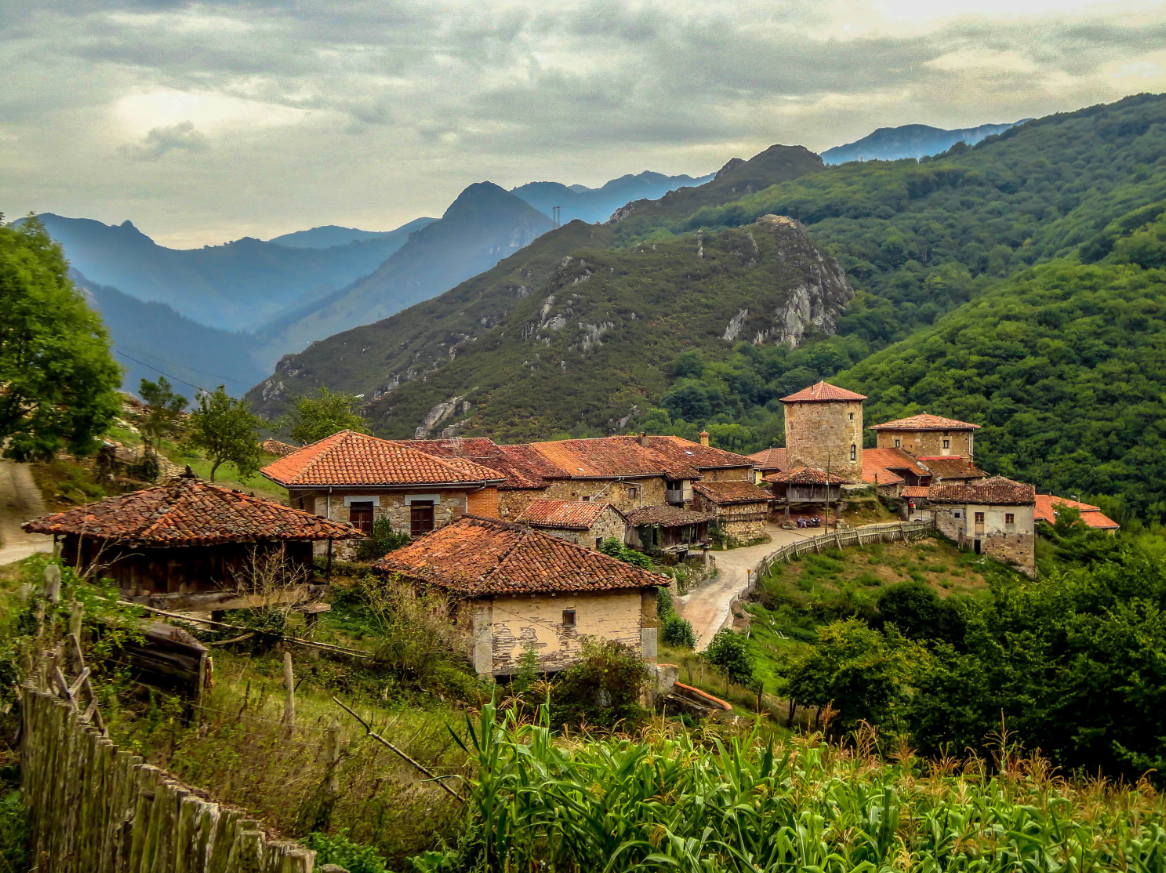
(181,137)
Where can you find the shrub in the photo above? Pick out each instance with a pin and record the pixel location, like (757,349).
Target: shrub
(678,632)
(383,540)
(339,850)
(13,832)
(730,652)
(664,607)
(602,689)
(615,549)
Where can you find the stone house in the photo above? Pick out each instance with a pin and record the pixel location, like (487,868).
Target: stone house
(823,430)
(583,522)
(927,435)
(1048,505)
(666,529)
(517,589)
(188,544)
(740,508)
(993,517)
(359,478)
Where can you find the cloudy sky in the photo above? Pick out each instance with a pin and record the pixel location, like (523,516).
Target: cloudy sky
(206,122)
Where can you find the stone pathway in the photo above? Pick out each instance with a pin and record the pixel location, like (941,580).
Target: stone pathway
(20,500)
(708,606)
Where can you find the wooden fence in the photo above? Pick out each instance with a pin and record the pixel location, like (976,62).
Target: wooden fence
(861,536)
(93,807)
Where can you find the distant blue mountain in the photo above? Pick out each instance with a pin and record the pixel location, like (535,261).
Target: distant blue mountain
(597,204)
(910,141)
(329,235)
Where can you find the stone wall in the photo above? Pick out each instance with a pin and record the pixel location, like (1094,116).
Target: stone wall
(745,528)
(732,474)
(929,443)
(822,435)
(511,503)
(623,495)
(505,626)
(1014,544)
(609,525)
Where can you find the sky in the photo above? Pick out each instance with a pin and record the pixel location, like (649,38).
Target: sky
(206,122)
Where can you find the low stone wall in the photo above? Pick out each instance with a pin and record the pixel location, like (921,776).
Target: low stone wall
(96,809)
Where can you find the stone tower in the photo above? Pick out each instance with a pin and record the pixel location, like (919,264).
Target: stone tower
(823,428)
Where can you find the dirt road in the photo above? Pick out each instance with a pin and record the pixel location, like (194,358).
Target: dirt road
(19,501)
(708,606)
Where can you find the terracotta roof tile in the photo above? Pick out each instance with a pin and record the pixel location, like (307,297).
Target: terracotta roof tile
(679,451)
(478,557)
(522,468)
(893,459)
(728,493)
(996,491)
(1047,504)
(924,421)
(804,476)
(605,457)
(915,490)
(873,474)
(822,392)
(350,458)
(566,514)
(770,459)
(187,511)
(665,515)
(275,447)
(952,468)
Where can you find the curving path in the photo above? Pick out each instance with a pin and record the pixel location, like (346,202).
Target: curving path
(708,606)
(20,500)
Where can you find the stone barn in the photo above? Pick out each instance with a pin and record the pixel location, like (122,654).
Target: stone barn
(191,545)
(993,517)
(579,521)
(518,590)
(741,509)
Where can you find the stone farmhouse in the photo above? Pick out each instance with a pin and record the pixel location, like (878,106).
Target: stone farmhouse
(740,508)
(583,522)
(993,517)
(359,478)
(517,589)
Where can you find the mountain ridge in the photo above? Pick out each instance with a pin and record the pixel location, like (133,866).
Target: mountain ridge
(911,141)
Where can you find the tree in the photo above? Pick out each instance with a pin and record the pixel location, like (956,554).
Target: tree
(329,412)
(225,429)
(164,408)
(730,652)
(60,381)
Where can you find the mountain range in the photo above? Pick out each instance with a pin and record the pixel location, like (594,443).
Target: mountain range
(910,141)
(597,204)
(329,235)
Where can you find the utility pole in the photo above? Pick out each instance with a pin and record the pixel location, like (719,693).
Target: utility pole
(828,464)
(555,222)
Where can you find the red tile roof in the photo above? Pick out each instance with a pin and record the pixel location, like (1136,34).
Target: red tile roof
(873,474)
(350,458)
(996,491)
(915,491)
(522,468)
(822,392)
(187,511)
(729,493)
(275,447)
(1047,504)
(606,457)
(770,459)
(566,514)
(804,476)
(893,459)
(665,515)
(952,468)
(480,557)
(924,421)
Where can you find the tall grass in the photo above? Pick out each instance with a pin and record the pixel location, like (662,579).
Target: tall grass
(686,803)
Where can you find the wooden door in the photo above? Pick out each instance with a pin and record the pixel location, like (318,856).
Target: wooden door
(420,517)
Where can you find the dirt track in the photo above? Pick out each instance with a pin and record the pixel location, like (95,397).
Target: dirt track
(19,501)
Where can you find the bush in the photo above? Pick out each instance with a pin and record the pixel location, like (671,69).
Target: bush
(730,652)
(339,850)
(664,607)
(383,540)
(615,549)
(678,632)
(602,689)
(13,832)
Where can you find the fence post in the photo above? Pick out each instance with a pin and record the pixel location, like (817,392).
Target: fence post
(289,684)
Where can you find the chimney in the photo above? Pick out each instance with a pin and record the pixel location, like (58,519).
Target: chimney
(704,437)
(644,438)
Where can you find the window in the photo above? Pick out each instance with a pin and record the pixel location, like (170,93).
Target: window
(956,513)
(360,514)
(898,443)
(979,518)
(598,543)
(853,452)
(420,517)
(1009,518)
(568,618)
(852,416)
(587,498)
(947,444)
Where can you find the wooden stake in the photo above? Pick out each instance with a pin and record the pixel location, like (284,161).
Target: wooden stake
(289,684)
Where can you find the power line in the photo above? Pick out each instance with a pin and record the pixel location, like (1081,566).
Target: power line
(156,370)
(185,366)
